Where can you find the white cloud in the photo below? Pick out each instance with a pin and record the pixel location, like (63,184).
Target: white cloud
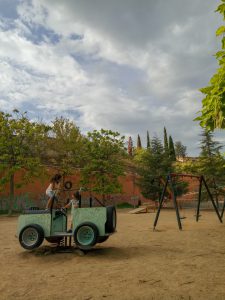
(124,65)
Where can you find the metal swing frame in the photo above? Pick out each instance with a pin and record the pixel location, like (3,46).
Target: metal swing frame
(202,181)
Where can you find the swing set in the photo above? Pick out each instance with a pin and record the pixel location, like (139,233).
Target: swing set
(169,183)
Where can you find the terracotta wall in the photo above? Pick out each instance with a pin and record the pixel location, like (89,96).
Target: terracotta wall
(35,190)
(34,193)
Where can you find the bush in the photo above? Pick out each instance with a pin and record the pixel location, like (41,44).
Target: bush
(124,205)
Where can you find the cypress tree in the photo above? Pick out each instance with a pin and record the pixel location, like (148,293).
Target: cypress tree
(166,146)
(148,140)
(172,153)
(130,146)
(139,142)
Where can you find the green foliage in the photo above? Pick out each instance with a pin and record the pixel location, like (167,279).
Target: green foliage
(138,155)
(67,147)
(105,152)
(180,186)
(124,205)
(139,146)
(130,146)
(187,167)
(213,105)
(211,162)
(21,145)
(166,145)
(152,164)
(172,153)
(148,141)
(220,30)
(180,149)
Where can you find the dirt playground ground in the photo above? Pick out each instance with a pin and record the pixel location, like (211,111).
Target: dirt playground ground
(134,263)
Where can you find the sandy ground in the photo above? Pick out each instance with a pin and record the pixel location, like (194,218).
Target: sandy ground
(134,263)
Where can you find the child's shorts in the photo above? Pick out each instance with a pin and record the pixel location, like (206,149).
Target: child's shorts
(50,194)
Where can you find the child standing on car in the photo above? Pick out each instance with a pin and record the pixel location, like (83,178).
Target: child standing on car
(53,189)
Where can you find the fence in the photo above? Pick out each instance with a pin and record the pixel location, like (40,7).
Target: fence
(21,202)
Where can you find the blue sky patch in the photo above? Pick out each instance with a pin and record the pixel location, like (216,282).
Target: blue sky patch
(8,9)
(41,34)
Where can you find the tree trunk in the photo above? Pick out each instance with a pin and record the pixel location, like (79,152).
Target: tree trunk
(11,194)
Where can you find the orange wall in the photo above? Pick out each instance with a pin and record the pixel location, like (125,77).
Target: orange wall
(130,190)
(36,189)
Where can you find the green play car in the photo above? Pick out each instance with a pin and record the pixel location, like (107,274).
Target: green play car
(89,226)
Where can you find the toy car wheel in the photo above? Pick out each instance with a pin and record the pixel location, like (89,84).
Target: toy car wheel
(102,239)
(110,225)
(85,235)
(31,236)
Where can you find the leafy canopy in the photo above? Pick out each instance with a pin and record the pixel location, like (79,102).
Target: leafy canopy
(211,162)
(105,151)
(21,146)
(66,145)
(213,105)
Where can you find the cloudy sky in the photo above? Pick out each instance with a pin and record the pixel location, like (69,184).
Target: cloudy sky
(124,65)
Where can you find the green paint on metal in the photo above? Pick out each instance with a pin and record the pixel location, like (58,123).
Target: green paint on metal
(44,220)
(96,215)
(58,223)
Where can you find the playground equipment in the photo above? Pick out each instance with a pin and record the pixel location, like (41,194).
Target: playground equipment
(90,225)
(144,208)
(169,182)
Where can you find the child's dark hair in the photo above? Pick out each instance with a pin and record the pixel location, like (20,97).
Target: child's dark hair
(56,178)
(77,195)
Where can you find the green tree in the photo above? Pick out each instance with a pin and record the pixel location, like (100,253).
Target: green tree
(213,105)
(211,162)
(148,141)
(188,167)
(104,162)
(180,150)
(21,145)
(172,153)
(166,146)
(66,146)
(130,146)
(152,165)
(139,146)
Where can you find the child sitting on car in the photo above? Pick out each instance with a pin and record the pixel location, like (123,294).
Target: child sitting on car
(73,203)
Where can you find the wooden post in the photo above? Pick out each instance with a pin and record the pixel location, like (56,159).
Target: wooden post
(160,203)
(212,200)
(199,199)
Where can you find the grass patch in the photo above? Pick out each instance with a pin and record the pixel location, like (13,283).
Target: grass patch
(124,205)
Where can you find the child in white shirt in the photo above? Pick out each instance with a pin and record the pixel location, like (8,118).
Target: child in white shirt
(73,203)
